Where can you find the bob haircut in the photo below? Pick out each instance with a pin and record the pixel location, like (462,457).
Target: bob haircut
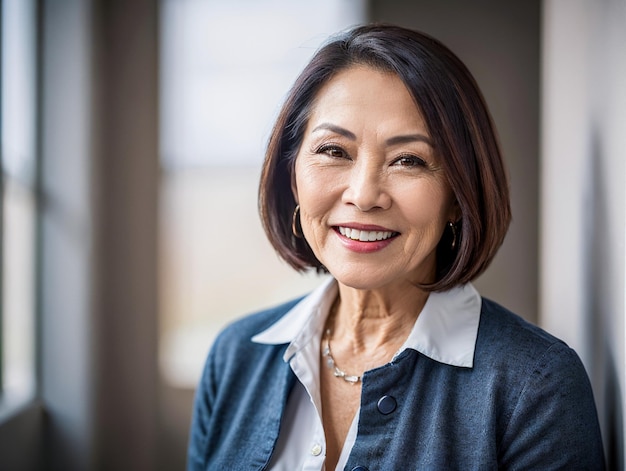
(459,124)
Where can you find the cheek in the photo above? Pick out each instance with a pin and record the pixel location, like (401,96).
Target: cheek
(314,209)
(427,213)
(304,179)
(316,188)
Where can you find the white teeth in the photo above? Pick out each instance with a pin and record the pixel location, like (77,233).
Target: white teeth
(365,236)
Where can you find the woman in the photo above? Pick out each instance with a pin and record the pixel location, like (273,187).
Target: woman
(383,169)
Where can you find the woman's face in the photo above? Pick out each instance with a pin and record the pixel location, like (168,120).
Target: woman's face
(374,200)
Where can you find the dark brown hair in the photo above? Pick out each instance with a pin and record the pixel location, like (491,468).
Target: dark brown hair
(458,122)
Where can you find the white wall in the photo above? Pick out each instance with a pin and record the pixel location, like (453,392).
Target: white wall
(583,202)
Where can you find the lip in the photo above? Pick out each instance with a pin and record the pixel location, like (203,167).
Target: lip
(364,246)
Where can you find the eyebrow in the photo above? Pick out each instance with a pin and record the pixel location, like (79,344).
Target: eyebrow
(336,129)
(390,142)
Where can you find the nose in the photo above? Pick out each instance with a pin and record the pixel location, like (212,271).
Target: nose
(366,187)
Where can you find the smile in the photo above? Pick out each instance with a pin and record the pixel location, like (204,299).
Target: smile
(366,236)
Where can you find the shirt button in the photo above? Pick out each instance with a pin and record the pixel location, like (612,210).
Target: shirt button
(386,405)
(316,449)
(360,468)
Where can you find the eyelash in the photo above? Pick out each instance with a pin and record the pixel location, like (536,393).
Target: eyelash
(329,148)
(415,161)
(407,160)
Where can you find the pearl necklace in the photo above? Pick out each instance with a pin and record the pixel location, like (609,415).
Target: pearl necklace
(330,362)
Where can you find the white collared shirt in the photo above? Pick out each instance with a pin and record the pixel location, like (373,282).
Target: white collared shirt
(445,331)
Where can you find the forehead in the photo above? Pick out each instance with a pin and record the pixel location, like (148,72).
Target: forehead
(361,92)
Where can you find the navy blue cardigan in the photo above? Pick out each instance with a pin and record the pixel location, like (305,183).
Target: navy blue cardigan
(526,404)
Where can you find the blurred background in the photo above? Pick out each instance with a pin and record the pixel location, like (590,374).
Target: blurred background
(132,135)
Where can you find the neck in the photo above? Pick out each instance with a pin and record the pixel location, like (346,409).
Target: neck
(368,321)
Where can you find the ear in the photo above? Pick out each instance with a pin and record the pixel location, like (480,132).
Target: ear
(455,213)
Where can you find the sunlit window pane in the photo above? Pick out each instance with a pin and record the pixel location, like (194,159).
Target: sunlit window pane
(226,67)
(18,291)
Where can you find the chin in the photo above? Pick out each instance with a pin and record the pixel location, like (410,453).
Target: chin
(358,279)
(370,278)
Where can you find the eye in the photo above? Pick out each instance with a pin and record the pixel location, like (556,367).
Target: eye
(332,150)
(410,161)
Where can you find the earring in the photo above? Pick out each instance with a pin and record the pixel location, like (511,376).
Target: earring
(454,234)
(294,223)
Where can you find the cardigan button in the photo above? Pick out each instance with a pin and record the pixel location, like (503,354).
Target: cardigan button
(360,468)
(386,405)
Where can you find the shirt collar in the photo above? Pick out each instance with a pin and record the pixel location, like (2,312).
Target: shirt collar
(445,330)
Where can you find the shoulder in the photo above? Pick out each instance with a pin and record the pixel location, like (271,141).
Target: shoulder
(524,358)
(512,338)
(234,355)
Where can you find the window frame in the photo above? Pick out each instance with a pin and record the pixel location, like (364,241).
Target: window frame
(22,417)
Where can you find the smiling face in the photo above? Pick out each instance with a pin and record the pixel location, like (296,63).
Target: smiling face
(373,198)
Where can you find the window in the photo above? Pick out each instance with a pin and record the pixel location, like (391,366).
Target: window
(18,201)
(226,67)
